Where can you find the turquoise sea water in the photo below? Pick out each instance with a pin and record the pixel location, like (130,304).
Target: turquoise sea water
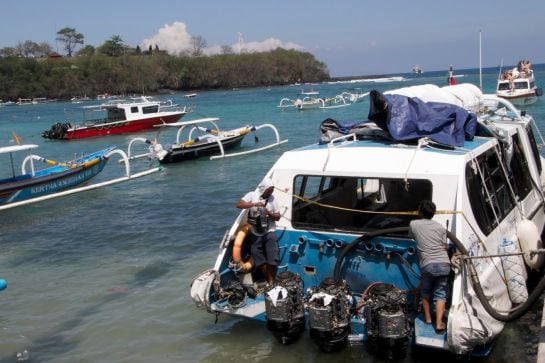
(103,276)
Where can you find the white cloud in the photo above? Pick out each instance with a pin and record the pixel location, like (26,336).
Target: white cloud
(266,45)
(175,39)
(172,38)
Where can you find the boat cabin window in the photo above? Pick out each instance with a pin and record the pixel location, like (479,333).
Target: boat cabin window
(150,109)
(134,109)
(519,172)
(488,191)
(535,150)
(521,85)
(116,114)
(356,204)
(504,86)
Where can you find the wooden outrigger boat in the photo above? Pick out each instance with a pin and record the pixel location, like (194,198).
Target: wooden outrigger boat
(210,141)
(59,178)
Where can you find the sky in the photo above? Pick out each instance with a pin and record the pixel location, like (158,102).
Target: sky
(352,37)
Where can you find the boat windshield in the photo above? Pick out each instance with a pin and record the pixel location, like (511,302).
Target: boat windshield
(356,204)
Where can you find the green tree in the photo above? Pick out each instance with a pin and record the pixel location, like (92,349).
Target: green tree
(113,47)
(86,51)
(71,38)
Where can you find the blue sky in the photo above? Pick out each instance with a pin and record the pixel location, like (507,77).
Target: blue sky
(352,37)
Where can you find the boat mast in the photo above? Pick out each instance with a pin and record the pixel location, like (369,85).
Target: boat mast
(480,60)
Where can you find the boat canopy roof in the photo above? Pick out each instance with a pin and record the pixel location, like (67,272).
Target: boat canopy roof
(396,160)
(190,122)
(15,148)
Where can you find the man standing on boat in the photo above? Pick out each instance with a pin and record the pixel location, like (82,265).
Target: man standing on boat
(434,261)
(451,80)
(262,216)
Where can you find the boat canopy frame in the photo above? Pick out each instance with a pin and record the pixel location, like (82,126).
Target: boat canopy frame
(181,125)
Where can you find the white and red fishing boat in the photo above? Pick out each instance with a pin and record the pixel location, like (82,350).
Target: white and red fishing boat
(120,117)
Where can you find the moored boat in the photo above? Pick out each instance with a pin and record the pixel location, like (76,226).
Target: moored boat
(310,101)
(518,86)
(35,184)
(120,117)
(204,138)
(348,269)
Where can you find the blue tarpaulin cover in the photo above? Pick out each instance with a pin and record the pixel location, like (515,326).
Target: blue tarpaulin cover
(406,118)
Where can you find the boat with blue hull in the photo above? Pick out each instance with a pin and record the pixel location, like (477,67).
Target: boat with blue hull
(348,270)
(58,178)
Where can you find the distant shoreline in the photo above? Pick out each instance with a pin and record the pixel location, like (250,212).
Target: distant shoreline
(350,78)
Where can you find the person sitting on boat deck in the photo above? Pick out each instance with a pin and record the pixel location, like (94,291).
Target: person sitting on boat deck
(527,67)
(262,216)
(434,262)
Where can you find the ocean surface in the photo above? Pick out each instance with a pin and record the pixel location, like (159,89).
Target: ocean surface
(104,276)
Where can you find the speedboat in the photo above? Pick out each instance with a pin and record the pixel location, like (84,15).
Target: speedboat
(521,90)
(349,271)
(417,70)
(120,117)
(203,139)
(58,178)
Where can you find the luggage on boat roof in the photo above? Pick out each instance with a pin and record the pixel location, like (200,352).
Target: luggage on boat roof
(464,95)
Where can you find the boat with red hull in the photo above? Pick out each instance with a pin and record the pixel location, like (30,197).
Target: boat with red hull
(121,117)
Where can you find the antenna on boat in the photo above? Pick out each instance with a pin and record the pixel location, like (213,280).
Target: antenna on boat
(501,66)
(240,41)
(480,60)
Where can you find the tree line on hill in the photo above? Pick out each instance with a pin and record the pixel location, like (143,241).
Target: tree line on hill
(33,70)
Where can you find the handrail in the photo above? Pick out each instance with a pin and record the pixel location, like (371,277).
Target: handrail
(278,142)
(504,102)
(352,135)
(136,139)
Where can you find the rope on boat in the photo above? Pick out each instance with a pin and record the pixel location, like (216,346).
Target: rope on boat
(393,213)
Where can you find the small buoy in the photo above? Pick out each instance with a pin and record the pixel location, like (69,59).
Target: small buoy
(529,238)
(515,271)
(3,284)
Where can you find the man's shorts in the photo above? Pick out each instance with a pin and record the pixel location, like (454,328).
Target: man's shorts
(433,281)
(264,249)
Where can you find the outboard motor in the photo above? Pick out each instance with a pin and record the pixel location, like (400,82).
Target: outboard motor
(57,131)
(284,307)
(330,307)
(387,322)
(236,294)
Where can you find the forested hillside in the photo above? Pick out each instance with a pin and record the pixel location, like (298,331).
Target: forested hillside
(66,77)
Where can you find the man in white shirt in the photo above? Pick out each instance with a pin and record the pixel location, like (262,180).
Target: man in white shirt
(263,214)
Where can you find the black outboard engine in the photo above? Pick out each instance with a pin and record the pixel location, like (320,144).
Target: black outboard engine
(57,131)
(387,322)
(284,307)
(330,308)
(236,294)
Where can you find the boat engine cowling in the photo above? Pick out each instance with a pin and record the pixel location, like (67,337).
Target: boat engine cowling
(387,321)
(284,307)
(57,131)
(330,308)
